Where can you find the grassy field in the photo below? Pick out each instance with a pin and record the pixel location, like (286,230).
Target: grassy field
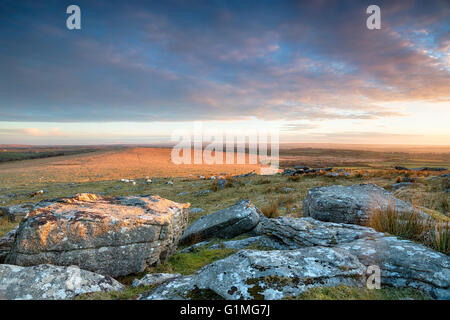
(327,157)
(27,153)
(99,172)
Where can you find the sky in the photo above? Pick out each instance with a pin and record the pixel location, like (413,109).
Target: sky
(137,71)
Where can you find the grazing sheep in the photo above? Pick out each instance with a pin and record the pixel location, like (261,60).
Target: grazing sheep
(33,194)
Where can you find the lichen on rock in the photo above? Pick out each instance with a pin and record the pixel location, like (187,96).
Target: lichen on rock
(111,236)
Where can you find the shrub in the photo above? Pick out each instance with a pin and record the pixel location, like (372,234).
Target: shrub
(294,178)
(440,237)
(271,211)
(358,175)
(444,205)
(403,224)
(430,232)
(285,199)
(262,181)
(342,292)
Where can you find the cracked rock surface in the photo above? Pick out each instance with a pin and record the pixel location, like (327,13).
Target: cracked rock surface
(254,274)
(48,282)
(237,219)
(113,236)
(351,204)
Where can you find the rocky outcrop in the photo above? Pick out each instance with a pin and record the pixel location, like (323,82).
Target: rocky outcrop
(351,204)
(153,279)
(401,168)
(252,274)
(17,211)
(430,169)
(295,233)
(402,263)
(230,222)
(258,241)
(399,185)
(48,282)
(405,263)
(6,243)
(111,236)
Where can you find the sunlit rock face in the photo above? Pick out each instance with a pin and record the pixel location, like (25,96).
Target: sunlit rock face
(111,236)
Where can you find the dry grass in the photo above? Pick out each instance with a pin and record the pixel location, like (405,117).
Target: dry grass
(428,231)
(271,210)
(439,237)
(402,224)
(6,225)
(342,292)
(129,163)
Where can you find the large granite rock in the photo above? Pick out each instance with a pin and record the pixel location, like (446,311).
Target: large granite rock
(402,263)
(111,236)
(230,222)
(48,282)
(405,263)
(253,274)
(6,243)
(295,233)
(351,204)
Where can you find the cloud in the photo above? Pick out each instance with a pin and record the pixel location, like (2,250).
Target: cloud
(220,61)
(33,132)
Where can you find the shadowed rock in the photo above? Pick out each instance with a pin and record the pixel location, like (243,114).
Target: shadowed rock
(48,282)
(399,185)
(260,241)
(402,263)
(6,243)
(152,279)
(111,236)
(230,222)
(405,263)
(295,233)
(351,204)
